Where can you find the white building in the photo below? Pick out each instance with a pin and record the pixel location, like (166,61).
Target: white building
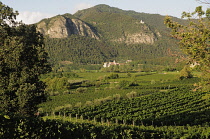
(142,22)
(108,64)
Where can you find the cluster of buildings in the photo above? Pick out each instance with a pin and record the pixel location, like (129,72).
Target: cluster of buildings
(108,64)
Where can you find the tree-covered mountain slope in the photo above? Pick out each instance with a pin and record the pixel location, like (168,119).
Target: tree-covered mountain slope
(118,27)
(109,34)
(79,49)
(155,21)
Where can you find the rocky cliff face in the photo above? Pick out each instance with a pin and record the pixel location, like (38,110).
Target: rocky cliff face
(62,27)
(145,35)
(137,38)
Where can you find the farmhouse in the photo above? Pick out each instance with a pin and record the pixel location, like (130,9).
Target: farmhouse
(108,64)
(194,64)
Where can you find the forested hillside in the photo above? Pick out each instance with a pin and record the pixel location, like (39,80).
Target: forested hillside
(119,35)
(155,21)
(79,49)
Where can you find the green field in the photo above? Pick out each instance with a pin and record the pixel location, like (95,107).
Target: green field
(157,105)
(101,88)
(97,88)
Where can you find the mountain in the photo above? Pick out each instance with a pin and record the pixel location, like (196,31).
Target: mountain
(118,27)
(103,33)
(114,21)
(155,21)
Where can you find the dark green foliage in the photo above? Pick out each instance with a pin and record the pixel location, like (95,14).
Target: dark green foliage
(78,49)
(57,84)
(76,66)
(113,76)
(84,50)
(35,128)
(126,84)
(22,60)
(59,75)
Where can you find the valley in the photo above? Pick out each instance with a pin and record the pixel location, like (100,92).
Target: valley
(105,73)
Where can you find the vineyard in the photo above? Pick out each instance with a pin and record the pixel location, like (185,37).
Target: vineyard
(157,101)
(58,129)
(118,105)
(92,87)
(176,107)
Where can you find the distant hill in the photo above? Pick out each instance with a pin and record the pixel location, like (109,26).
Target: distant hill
(111,34)
(118,27)
(154,21)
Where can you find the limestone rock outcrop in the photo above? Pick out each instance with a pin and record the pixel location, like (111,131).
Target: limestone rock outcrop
(62,27)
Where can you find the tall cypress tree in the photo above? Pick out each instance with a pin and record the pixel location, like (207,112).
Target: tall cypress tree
(22,60)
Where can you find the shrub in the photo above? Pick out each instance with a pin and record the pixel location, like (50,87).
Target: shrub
(106,88)
(70,75)
(81,90)
(185,73)
(109,98)
(88,83)
(113,76)
(68,106)
(152,81)
(88,103)
(97,84)
(66,92)
(97,101)
(56,93)
(57,109)
(117,97)
(78,105)
(117,86)
(129,74)
(124,84)
(131,94)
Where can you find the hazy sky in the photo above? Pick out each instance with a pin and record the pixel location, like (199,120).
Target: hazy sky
(32,11)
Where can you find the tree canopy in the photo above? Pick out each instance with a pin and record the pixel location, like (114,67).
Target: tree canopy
(194,39)
(22,60)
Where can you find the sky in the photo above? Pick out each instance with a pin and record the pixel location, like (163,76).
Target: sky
(32,11)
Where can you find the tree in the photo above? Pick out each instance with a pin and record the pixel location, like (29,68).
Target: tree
(185,73)
(22,60)
(194,39)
